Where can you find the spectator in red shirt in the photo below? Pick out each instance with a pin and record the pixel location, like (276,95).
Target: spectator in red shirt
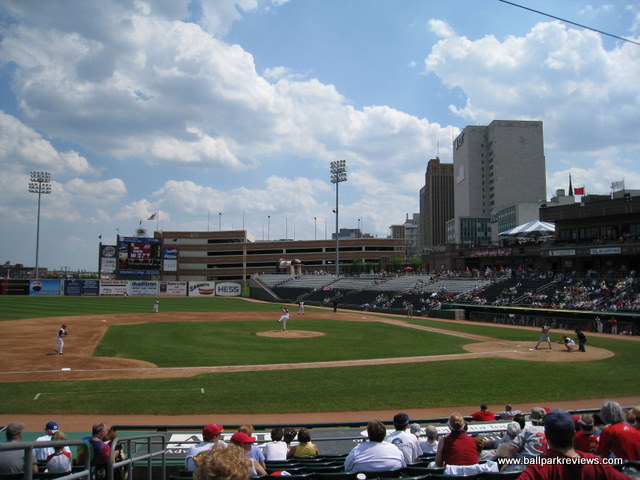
(586,439)
(484,415)
(559,429)
(457,448)
(619,439)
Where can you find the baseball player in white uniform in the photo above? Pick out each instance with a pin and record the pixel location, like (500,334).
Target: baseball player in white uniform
(61,334)
(283,319)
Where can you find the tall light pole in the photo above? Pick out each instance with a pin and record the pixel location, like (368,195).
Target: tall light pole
(315,228)
(219,221)
(268,227)
(338,174)
(40,183)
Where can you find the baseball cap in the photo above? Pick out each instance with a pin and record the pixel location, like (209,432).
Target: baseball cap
(513,428)
(586,420)
(415,429)
(537,413)
(211,430)
(53,426)
(559,425)
(401,420)
(240,438)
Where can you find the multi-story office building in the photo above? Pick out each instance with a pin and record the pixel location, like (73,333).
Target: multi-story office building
(436,204)
(499,176)
(233,255)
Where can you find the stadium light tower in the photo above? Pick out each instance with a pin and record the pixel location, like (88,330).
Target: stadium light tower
(338,174)
(40,183)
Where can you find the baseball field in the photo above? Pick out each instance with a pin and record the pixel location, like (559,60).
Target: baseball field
(226,358)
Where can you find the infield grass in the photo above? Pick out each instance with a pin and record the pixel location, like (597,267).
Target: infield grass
(183,344)
(402,386)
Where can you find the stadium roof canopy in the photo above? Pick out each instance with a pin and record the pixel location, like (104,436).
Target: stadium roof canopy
(531,229)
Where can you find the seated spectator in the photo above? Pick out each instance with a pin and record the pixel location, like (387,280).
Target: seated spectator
(483,454)
(503,446)
(98,450)
(559,429)
(43,453)
(255,450)
(221,463)
(508,413)
(429,446)
(118,455)
(12,461)
(210,437)
(305,448)
(60,460)
(276,449)
(484,415)
(530,442)
(457,448)
(619,439)
(289,436)
(634,417)
(244,441)
(376,454)
(402,439)
(520,420)
(586,439)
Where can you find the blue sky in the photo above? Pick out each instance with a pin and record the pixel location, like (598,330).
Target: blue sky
(196,108)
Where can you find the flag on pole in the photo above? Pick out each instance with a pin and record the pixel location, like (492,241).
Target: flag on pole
(153,216)
(578,190)
(570,187)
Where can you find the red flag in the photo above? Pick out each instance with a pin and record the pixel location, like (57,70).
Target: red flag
(578,191)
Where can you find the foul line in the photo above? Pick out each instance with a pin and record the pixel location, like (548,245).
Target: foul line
(39,394)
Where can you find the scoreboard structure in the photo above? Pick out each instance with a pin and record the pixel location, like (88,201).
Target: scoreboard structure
(139,256)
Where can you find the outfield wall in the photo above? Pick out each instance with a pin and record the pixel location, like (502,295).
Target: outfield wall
(119,288)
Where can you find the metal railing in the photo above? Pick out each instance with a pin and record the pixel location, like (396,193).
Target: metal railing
(29,457)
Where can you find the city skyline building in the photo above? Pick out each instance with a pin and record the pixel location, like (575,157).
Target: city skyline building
(499,179)
(436,204)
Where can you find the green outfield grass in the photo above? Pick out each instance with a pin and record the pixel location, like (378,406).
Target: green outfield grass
(17,307)
(405,386)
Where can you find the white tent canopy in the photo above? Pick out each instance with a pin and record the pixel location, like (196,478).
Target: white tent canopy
(531,228)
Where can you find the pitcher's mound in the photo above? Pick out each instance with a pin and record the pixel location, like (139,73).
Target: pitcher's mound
(289,334)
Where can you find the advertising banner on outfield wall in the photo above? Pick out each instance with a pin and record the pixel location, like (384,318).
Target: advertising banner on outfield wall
(45,287)
(114,287)
(143,288)
(85,288)
(228,289)
(14,287)
(173,289)
(202,289)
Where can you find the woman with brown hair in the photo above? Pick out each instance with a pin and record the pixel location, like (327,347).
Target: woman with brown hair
(305,448)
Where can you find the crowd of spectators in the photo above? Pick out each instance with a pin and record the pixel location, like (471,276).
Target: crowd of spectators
(611,433)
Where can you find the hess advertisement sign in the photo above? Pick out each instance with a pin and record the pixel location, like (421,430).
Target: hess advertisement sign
(228,289)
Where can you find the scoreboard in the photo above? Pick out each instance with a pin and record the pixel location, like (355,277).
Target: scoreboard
(141,256)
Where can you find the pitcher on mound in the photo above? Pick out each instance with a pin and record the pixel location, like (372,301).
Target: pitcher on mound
(283,319)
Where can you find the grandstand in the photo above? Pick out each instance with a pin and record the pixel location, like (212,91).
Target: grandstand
(160,455)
